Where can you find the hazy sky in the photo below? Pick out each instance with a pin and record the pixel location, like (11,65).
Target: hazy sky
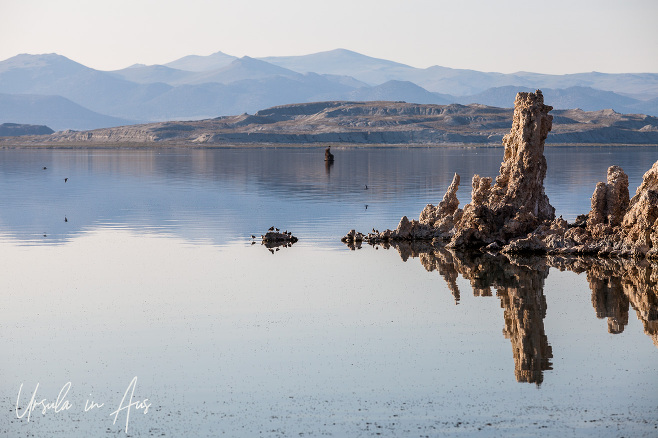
(557,36)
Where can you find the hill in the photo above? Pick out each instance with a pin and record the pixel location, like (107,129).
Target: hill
(367,123)
(57,112)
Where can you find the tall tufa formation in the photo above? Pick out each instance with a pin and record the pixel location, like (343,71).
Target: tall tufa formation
(521,180)
(517,203)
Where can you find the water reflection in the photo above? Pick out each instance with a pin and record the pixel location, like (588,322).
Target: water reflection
(228,194)
(616,285)
(327,166)
(520,287)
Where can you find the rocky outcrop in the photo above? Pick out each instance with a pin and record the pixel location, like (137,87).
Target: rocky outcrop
(446,214)
(521,180)
(516,204)
(640,223)
(610,201)
(614,227)
(328,156)
(275,238)
(363,123)
(514,215)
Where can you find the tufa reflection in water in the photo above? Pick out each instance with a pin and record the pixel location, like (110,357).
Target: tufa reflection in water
(616,285)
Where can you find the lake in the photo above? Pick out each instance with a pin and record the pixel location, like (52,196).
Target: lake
(133,291)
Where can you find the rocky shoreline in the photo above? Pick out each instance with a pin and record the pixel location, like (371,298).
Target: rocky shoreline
(514,215)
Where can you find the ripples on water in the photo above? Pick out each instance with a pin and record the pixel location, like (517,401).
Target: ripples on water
(153,274)
(225,194)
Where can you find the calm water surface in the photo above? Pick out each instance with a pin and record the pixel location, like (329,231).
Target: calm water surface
(142,265)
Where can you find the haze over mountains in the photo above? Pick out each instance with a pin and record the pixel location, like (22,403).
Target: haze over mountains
(53,90)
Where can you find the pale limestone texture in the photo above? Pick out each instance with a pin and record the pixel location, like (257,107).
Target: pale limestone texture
(610,201)
(444,215)
(640,223)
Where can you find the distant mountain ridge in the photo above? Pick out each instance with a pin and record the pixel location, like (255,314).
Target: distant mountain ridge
(459,81)
(56,112)
(197,87)
(196,63)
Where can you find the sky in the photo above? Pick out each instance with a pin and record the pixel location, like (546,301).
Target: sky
(557,36)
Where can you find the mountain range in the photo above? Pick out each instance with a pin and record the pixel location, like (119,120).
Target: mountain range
(53,90)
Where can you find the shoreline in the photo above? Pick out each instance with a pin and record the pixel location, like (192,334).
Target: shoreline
(337,146)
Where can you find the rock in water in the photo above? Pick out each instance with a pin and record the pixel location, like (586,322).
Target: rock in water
(517,203)
(273,239)
(614,226)
(328,156)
